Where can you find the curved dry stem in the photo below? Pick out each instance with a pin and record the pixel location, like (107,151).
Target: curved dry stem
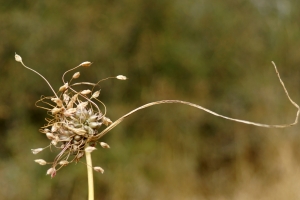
(40,76)
(207,110)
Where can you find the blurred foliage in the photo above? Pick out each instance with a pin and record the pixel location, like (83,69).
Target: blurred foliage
(214,53)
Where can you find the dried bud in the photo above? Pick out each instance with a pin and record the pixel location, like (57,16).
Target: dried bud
(40,161)
(90,149)
(18,58)
(51,171)
(85,92)
(86,64)
(96,94)
(76,75)
(64,87)
(36,151)
(99,169)
(106,121)
(104,145)
(121,77)
(64,162)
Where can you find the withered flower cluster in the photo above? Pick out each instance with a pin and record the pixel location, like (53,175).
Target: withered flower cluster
(74,121)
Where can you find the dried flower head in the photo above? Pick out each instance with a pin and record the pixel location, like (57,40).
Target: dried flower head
(74,120)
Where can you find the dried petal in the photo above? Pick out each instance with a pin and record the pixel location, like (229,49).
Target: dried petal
(90,149)
(18,58)
(36,151)
(121,77)
(99,169)
(96,94)
(85,92)
(86,64)
(104,145)
(40,161)
(76,75)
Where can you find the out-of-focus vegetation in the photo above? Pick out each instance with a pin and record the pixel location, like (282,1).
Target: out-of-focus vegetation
(214,53)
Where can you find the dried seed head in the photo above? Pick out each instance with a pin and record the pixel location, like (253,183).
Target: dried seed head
(121,77)
(99,169)
(76,75)
(90,149)
(86,64)
(36,151)
(40,161)
(18,58)
(64,87)
(104,145)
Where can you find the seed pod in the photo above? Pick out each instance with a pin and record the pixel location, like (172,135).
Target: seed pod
(50,136)
(95,94)
(57,101)
(77,137)
(18,58)
(92,118)
(104,145)
(86,64)
(36,151)
(56,110)
(64,162)
(94,124)
(82,105)
(40,161)
(51,171)
(76,75)
(64,87)
(106,121)
(121,77)
(85,92)
(90,149)
(69,112)
(99,169)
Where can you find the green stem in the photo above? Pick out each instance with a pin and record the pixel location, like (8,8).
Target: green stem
(90,175)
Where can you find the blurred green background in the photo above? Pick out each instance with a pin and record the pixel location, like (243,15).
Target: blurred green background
(213,53)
